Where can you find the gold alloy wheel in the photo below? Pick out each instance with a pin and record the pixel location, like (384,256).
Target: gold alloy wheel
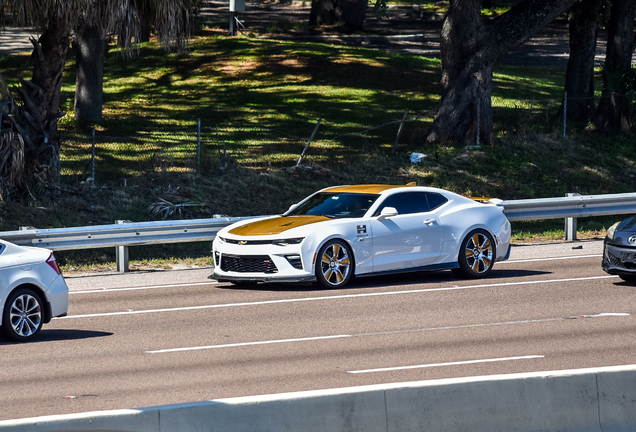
(335,264)
(478,253)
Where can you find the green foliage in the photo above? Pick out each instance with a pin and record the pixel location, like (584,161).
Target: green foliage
(259,100)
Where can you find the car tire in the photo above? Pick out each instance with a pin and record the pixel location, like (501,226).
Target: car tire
(628,278)
(334,267)
(476,255)
(23,315)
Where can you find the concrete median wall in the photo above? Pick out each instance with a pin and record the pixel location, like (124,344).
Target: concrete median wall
(595,400)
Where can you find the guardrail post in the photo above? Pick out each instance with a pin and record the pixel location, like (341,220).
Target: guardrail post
(93,159)
(199,146)
(570,223)
(121,254)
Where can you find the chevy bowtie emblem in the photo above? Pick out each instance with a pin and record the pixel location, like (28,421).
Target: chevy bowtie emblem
(632,239)
(242,242)
(362,229)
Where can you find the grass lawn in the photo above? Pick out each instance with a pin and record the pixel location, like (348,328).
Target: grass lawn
(259,100)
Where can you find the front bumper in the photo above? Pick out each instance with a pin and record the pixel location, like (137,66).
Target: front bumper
(262,278)
(261,263)
(619,260)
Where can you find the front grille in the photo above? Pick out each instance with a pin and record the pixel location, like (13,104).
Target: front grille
(248,242)
(611,260)
(248,264)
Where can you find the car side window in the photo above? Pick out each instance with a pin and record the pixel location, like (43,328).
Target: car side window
(2,248)
(413,202)
(406,203)
(435,200)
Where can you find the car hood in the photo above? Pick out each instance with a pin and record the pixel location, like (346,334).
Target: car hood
(276,225)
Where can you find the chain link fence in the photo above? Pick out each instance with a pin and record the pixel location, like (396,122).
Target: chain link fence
(205,149)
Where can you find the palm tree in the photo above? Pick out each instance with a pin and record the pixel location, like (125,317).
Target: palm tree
(36,118)
(172,21)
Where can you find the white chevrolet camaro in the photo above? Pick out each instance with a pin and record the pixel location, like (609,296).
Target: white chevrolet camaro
(364,230)
(32,291)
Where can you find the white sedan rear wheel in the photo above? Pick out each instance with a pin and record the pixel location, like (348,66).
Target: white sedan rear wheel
(22,315)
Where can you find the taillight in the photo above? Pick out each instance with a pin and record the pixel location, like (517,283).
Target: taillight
(51,261)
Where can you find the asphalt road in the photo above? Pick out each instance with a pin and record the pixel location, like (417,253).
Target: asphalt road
(167,337)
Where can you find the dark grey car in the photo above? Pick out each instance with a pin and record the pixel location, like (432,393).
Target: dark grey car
(619,250)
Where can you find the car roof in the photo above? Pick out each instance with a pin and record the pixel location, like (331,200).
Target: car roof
(364,188)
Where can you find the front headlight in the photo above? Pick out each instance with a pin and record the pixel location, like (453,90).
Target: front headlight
(287,242)
(611,231)
(220,240)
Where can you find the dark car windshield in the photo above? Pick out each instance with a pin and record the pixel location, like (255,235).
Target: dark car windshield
(335,205)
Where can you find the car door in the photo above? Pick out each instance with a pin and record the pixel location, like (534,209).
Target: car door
(410,239)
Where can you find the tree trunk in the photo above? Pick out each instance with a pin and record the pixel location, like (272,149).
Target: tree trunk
(348,13)
(41,137)
(613,108)
(90,50)
(469,50)
(579,77)
(49,56)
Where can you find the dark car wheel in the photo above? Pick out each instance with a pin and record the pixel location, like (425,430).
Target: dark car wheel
(335,264)
(628,278)
(476,255)
(22,315)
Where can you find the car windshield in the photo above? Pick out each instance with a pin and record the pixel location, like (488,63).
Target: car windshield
(335,205)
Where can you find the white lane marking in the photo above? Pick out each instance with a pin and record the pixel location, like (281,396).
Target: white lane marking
(393,332)
(605,314)
(269,302)
(548,259)
(502,359)
(102,290)
(234,345)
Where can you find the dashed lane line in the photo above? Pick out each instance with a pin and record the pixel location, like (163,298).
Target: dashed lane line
(110,290)
(347,296)
(548,259)
(456,363)
(393,332)
(103,290)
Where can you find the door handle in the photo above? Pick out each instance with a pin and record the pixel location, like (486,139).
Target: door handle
(429,221)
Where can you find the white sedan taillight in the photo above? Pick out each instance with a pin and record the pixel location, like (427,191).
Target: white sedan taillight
(51,261)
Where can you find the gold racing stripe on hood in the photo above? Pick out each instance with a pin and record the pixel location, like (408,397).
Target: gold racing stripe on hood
(276,225)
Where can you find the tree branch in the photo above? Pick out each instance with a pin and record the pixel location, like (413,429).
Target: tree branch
(516,26)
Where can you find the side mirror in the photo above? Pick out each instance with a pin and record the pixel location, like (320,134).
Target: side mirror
(387,212)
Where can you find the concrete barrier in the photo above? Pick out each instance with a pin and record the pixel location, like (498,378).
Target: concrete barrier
(617,399)
(594,400)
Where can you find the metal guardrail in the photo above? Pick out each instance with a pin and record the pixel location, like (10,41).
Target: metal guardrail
(571,206)
(121,235)
(124,234)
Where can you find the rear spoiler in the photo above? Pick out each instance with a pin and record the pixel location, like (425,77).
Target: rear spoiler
(486,200)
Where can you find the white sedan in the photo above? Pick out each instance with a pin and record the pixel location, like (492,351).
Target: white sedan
(364,230)
(32,290)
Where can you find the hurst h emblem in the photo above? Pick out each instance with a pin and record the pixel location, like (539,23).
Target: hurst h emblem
(362,229)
